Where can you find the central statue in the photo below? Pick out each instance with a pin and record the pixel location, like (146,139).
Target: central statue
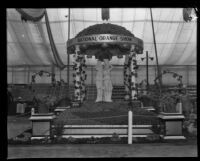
(103,81)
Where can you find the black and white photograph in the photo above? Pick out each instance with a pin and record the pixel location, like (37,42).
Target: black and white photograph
(101,82)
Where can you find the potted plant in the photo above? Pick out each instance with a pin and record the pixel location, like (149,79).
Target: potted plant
(57,131)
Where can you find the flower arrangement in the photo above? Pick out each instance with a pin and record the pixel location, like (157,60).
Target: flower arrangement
(175,75)
(79,77)
(43,73)
(105,28)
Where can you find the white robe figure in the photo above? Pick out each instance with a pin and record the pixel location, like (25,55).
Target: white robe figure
(99,81)
(107,81)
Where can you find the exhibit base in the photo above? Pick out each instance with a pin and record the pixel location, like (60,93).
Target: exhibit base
(171,125)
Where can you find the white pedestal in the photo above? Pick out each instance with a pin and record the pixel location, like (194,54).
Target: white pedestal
(41,124)
(171,125)
(58,110)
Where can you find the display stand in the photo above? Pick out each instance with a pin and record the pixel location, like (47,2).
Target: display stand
(58,110)
(171,125)
(41,125)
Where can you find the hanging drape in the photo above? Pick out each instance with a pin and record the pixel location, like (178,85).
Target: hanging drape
(31,14)
(36,15)
(176,40)
(53,46)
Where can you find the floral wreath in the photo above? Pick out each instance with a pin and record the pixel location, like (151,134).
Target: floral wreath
(175,75)
(42,73)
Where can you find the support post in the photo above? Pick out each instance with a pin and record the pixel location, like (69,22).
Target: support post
(130,122)
(12,75)
(92,73)
(158,69)
(68,55)
(60,74)
(28,79)
(187,74)
(53,70)
(147,69)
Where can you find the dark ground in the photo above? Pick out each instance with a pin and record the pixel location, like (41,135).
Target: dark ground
(104,150)
(16,125)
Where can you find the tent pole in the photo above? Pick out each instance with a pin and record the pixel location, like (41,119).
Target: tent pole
(158,69)
(28,79)
(68,55)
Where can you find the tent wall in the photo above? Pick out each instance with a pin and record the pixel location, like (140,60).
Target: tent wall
(22,75)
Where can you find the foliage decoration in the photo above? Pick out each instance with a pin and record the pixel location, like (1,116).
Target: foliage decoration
(174,75)
(105,28)
(43,73)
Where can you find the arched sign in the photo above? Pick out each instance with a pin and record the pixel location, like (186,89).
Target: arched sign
(105,38)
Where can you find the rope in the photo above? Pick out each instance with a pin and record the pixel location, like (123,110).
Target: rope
(144,115)
(94,117)
(108,117)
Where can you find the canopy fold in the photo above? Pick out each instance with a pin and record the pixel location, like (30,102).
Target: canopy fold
(28,43)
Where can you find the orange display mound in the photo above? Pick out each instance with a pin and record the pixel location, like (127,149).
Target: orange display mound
(115,113)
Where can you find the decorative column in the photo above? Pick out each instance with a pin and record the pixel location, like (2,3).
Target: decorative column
(133,74)
(99,81)
(77,74)
(83,78)
(126,77)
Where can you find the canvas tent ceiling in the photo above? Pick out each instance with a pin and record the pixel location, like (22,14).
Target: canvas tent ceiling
(28,43)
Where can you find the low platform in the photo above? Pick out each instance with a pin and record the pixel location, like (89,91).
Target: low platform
(58,110)
(87,131)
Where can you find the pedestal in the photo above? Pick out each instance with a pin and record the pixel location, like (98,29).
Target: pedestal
(41,124)
(171,125)
(58,110)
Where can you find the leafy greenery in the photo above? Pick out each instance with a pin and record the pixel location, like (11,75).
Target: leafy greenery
(58,130)
(115,139)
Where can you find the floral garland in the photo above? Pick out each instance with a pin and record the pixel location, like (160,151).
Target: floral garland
(31,14)
(79,76)
(175,75)
(133,74)
(130,75)
(126,75)
(83,78)
(41,73)
(127,78)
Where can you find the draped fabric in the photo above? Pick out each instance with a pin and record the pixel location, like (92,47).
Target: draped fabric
(59,62)
(29,43)
(31,14)
(36,15)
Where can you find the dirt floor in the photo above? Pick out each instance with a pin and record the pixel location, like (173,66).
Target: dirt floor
(103,150)
(17,125)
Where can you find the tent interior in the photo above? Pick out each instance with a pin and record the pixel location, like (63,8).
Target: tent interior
(54,99)
(29,49)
